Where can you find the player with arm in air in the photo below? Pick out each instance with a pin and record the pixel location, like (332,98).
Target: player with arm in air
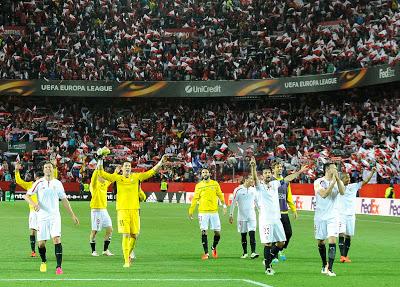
(32,221)
(326,225)
(98,204)
(128,208)
(347,213)
(49,191)
(270,226)
(285,202)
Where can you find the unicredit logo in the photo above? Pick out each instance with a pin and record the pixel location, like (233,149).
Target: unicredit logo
(194,89)
(188,89)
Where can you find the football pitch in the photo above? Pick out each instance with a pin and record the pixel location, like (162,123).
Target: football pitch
(169,249)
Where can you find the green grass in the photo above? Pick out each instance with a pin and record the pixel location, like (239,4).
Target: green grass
(169,248)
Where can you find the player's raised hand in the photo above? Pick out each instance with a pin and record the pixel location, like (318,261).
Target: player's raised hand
(18,166)
(253,161)
(99,152)
(303,168)
(118,169)
(373,169)
(164,159)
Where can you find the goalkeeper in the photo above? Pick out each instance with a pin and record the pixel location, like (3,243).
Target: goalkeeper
(98,204)
(128,208)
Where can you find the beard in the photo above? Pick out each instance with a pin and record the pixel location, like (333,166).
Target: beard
(206,177)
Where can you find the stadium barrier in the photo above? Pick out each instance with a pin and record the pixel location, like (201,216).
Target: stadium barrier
(368,191)
(371,206)
(364,205)
(374,75)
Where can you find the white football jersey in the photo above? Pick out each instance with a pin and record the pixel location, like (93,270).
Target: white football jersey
(49,193)
(347,201)
(244,197)
(325,208)
(267,201)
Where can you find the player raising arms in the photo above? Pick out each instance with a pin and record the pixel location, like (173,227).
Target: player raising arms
(99,215)
(285,202)
(49,191)
(347,216)
(32,213)
(207,192)
(244,196)
(128,208)
(269,220)
(326,225)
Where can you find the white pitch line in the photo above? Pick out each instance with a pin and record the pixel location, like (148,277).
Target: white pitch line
(256,283)
(252,282)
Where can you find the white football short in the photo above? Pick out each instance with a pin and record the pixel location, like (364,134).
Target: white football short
(271,232)
(33,220)
(49,228)
(209,220)
(100,219)
(347,224)
(244,226)
(326,228)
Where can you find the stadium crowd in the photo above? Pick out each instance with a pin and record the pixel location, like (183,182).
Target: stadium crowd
(194,39)
(360,129)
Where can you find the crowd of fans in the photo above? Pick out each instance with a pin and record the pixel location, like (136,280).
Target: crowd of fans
(358,129)
(193,39)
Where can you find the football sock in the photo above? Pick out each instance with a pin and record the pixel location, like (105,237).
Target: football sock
(204,242)
(32,239)
(132,244)
(42,252)
(347,242)
(126,248)
(93,245)
(274,251)
(322,253)
(216,240)
(244,242)
(341,245)
(252,235)
(58,252)
(107,243)
(331,255)
(267,256)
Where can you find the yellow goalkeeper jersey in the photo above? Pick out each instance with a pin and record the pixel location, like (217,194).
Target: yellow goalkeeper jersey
(25,185)
(207,194)
(99,191)
(28,184)
(128,188)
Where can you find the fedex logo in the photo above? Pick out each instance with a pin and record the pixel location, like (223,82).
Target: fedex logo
(394,209)
(299,203)
(313,203)
(369,208)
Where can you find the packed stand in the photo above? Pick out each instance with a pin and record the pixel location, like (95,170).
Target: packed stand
(357,131)
(193,40)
